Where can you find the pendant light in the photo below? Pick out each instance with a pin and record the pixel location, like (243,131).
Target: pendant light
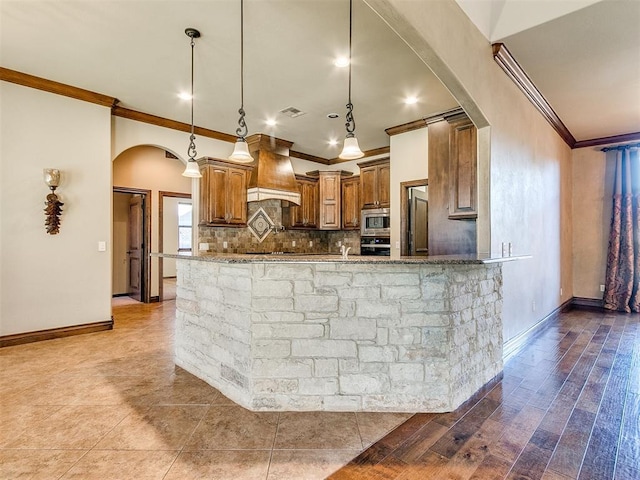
(241,149)
(192,170)
(351,149)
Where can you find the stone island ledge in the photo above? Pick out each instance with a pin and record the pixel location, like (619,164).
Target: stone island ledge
(323,333)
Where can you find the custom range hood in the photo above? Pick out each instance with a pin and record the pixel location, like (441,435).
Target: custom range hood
(272,177)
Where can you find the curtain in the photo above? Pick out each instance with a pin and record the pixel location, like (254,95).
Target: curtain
(623,259)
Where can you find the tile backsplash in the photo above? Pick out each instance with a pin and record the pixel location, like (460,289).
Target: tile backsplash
(241,240)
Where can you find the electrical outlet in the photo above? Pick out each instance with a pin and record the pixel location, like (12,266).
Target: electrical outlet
(339,243)
(293,243)
(533,306)
(102,246)
(203,247)
(602,288)
(560,291)
(397,245)
(225,244)
(311,243)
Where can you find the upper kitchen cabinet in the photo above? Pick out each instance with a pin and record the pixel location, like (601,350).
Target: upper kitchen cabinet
(329,200)
(375,182)
(305,215)
(223,193)
(462,169)
(350,191)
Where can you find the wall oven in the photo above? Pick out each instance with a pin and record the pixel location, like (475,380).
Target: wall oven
(375,246)
(375,223)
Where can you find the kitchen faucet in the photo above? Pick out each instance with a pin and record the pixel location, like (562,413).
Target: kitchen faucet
(344,251)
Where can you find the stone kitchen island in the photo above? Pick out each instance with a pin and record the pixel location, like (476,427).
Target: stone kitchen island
(321,332)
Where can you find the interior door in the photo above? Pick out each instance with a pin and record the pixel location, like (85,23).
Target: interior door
(135,247)
(419,223)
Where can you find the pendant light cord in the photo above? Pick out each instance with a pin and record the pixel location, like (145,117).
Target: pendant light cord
(242,129)
(191,152)
(350,35)
(351,123)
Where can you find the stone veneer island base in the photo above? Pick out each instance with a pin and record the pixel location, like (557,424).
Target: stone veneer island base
(323,333)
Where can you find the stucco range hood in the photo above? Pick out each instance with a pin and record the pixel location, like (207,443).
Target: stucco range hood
(272,177)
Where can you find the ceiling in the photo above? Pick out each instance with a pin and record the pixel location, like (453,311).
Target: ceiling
(584,61)
(583,56)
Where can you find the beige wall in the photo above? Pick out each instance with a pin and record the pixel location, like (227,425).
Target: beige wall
(592,188)
(530,166)
(147,168)
(50,281)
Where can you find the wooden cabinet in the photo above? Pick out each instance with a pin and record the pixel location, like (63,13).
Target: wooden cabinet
(223,193)
(350,196)
(375,183)
(451,232)
(329,200)
(462,170)
(305,215)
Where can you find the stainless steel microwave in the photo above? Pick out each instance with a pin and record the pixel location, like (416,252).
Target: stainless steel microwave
(375,223)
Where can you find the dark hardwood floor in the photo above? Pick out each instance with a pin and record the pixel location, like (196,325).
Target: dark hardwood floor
(567,407)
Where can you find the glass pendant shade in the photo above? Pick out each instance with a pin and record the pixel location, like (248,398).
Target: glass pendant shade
(351,149)
(192,170)
(241,152)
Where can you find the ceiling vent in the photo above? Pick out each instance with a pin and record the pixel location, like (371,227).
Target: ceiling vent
(292,112)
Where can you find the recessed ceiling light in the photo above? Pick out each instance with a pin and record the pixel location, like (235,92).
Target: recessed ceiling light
(333,115)
(271,122)
(184,96)
(411,100)
(341,62)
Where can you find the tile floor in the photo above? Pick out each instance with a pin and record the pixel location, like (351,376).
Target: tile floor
(112,405)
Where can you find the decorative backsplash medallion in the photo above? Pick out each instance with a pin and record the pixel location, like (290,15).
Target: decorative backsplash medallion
(260,224)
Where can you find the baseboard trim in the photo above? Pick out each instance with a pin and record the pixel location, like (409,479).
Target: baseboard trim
(52,333)
(120,295)
(587,303)
(154,299)
(512,346)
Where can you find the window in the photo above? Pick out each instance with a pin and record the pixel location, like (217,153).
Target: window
(184,227)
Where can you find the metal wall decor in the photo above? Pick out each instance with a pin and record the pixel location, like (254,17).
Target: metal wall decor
(53,206)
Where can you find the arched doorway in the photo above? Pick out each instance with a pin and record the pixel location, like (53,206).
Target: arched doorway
(147,171)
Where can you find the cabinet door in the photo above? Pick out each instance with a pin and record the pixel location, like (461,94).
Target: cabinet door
(311,205)
(213,194)
(296,213)
(236,197)
(329,201)
(462,170)
(205,194)
(383,182)
(351,204)
(368,194)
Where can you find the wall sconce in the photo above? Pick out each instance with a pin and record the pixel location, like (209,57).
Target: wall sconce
(53,208)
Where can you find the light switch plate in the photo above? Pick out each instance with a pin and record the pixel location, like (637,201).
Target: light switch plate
(102,246)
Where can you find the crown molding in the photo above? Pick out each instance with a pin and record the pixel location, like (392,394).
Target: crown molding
(627,137)
(514,71)
(311,158)
(449,115)
(31,81)
(127,113)
(367,153)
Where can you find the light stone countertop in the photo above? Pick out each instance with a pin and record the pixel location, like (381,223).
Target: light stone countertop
(337,258)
